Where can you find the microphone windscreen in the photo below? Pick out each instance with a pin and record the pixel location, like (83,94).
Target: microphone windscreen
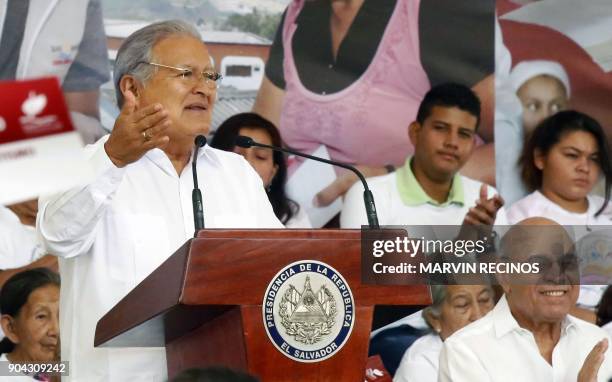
(242,141)
(200,140)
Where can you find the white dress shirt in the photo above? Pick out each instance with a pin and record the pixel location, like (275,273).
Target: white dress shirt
(420,361)
(496,349)
(113,232)
(18,245)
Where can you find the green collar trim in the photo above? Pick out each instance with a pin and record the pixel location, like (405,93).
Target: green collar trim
(412,194)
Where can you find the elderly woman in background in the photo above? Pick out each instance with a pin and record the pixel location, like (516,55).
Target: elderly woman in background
(453,307)
(29,308)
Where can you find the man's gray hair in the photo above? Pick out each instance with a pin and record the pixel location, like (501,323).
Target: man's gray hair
(138,48)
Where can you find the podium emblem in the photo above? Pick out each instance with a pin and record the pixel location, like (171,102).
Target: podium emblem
(308,311)
(308,316)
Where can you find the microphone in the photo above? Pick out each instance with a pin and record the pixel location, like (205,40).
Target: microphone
(368,198)
(196,195)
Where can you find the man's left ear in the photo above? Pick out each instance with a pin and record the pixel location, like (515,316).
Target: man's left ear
(130,84)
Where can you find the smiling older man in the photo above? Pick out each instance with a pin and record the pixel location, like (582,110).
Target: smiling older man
(111,233)
(529,335)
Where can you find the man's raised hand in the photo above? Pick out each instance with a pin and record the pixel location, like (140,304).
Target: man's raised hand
(136,131)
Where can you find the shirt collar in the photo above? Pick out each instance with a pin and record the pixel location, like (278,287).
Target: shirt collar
(210,153)
(412,194)
(161,160)
(505,322)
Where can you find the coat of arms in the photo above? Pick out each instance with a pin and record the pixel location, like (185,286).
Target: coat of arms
(306,315)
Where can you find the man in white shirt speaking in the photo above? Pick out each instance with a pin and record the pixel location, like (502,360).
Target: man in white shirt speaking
(111,233)
(529,336)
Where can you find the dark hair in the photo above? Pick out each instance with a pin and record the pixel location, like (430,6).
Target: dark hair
(604,307)
(16,291)
(224,139)
(449,95)
(549,132)
(213,374)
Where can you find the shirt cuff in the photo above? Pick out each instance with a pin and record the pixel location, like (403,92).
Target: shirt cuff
(103,167)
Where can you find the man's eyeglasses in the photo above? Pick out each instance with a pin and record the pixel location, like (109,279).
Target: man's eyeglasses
(211,78)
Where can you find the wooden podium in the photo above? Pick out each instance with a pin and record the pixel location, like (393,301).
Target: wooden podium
(204,304)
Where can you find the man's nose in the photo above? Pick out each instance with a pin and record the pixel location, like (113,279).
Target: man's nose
(452,140)
(202,87)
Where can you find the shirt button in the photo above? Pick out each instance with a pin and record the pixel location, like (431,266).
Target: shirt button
(323,92)
(330,66)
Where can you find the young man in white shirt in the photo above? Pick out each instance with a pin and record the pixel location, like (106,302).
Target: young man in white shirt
(110,234)
(428,189)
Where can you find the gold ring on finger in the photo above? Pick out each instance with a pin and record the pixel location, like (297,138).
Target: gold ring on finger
(146,135)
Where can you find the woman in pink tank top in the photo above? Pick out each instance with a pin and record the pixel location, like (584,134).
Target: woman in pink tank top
(365,121)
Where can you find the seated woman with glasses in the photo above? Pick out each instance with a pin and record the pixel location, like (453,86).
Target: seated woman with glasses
(270,165)
(561,163)
(29,308)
